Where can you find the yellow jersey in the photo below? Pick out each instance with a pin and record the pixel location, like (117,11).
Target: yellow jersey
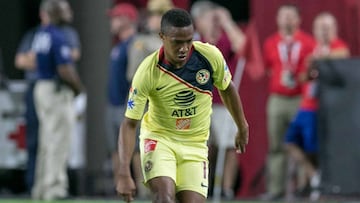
(179,99)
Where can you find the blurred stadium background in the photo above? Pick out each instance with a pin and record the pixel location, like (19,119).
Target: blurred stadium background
(340,155)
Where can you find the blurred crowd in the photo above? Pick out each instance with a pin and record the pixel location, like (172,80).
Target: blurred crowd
(56,98)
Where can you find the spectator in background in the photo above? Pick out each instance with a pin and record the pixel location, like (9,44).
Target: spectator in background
(123,25)
(25,60)
(54,92)
(214,25)
(76,161)
(147,42)
(301,137)
(285,55)
(328,44)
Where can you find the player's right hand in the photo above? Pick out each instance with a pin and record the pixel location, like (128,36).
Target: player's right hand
(242,139)
(126,187)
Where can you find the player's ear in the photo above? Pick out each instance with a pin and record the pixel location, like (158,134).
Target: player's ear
(161,35)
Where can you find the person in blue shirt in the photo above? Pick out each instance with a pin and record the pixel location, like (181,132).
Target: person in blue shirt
(25,60)
(57,84)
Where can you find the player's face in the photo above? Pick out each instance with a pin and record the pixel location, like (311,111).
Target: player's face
(177,44)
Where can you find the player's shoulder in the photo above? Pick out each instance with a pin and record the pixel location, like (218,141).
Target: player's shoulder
(207,50)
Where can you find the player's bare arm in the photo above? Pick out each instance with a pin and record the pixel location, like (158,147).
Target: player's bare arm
(232,101)
(126,144)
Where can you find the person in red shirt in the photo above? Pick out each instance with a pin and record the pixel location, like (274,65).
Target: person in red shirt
(285,54)
(301,138)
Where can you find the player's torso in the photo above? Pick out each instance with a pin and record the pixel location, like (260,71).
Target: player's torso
(181,98)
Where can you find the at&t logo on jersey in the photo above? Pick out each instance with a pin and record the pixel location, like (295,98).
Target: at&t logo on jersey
(184,99)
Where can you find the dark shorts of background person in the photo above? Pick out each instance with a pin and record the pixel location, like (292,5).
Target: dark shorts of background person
(302,131)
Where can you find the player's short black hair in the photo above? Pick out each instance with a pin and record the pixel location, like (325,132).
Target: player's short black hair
(175,18)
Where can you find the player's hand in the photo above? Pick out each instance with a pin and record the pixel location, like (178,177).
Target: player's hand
(242,139)
(126,187)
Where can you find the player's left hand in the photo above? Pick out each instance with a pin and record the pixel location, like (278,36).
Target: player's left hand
(126,188)
(242,139)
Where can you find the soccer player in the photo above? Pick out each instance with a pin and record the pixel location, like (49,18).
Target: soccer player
(177,82)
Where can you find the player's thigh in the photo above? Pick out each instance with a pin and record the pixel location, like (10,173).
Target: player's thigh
(190,197)
(157,160)
(192,172)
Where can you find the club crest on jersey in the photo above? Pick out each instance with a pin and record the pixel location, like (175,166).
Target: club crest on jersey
(148,166)
(202,76)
